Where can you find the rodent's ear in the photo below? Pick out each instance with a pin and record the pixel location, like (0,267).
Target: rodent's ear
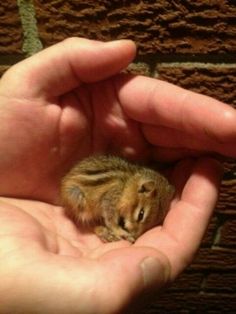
(73,196)
(147,187)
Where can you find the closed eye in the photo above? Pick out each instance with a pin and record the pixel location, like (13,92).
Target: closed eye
(121,222)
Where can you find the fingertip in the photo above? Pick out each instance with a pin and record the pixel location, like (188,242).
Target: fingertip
(181,174)
(146,267)
(126,47)
(93,61)
(122,42)
(205,179)
(80,42)
(155,274)
(210,166)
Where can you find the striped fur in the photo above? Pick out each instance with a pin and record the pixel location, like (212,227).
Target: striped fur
(115,190)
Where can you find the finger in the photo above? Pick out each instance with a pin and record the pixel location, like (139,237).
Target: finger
(159,103)
(121,136)
(62,67)
(206,179)
(133,271)
(187,220)
(172,138)
(65,284)
(180,176)
(167,154)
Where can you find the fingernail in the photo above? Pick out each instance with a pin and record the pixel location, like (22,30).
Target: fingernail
(155,274)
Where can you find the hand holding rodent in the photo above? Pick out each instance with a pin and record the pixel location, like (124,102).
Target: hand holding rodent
(122,199)
(66,103)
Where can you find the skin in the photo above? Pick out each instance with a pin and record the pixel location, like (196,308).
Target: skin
(68,102)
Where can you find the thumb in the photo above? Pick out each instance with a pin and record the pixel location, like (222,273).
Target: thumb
(65,284)
(130,272)
(64,66)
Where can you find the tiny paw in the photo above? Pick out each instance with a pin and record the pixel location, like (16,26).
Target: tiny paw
(105,234)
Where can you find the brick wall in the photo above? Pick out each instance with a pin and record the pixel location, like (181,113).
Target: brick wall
(189,43)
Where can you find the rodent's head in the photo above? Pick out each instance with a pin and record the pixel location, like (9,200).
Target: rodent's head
(143,204)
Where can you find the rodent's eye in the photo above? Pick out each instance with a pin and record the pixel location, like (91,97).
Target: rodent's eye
(121,222)
(141,215)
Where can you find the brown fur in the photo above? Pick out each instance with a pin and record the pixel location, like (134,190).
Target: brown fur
(123,199)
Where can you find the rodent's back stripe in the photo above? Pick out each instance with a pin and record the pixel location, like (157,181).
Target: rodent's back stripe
(98,179)
(104,164)
(94,171)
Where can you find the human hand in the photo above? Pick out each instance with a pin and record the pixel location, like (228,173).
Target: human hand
(47,265)
(63,104)
(56,108)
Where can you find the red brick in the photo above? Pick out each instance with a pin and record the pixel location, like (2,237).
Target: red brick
(208,239)
(228,234)
(221,282)
(188,281)
(227,198)
(215,81)
(157,26)
(10,28)
(196,303)
(215,259)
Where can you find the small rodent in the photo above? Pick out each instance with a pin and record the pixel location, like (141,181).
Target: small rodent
(120,198)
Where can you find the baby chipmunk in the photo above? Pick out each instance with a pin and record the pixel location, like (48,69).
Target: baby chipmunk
(120,198)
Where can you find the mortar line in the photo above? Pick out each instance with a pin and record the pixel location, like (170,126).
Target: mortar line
(187,65)
(31,41)
(217,236)
(203,283)
(200,65)
(217,232)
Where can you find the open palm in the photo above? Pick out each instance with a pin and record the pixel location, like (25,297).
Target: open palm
(68,102)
